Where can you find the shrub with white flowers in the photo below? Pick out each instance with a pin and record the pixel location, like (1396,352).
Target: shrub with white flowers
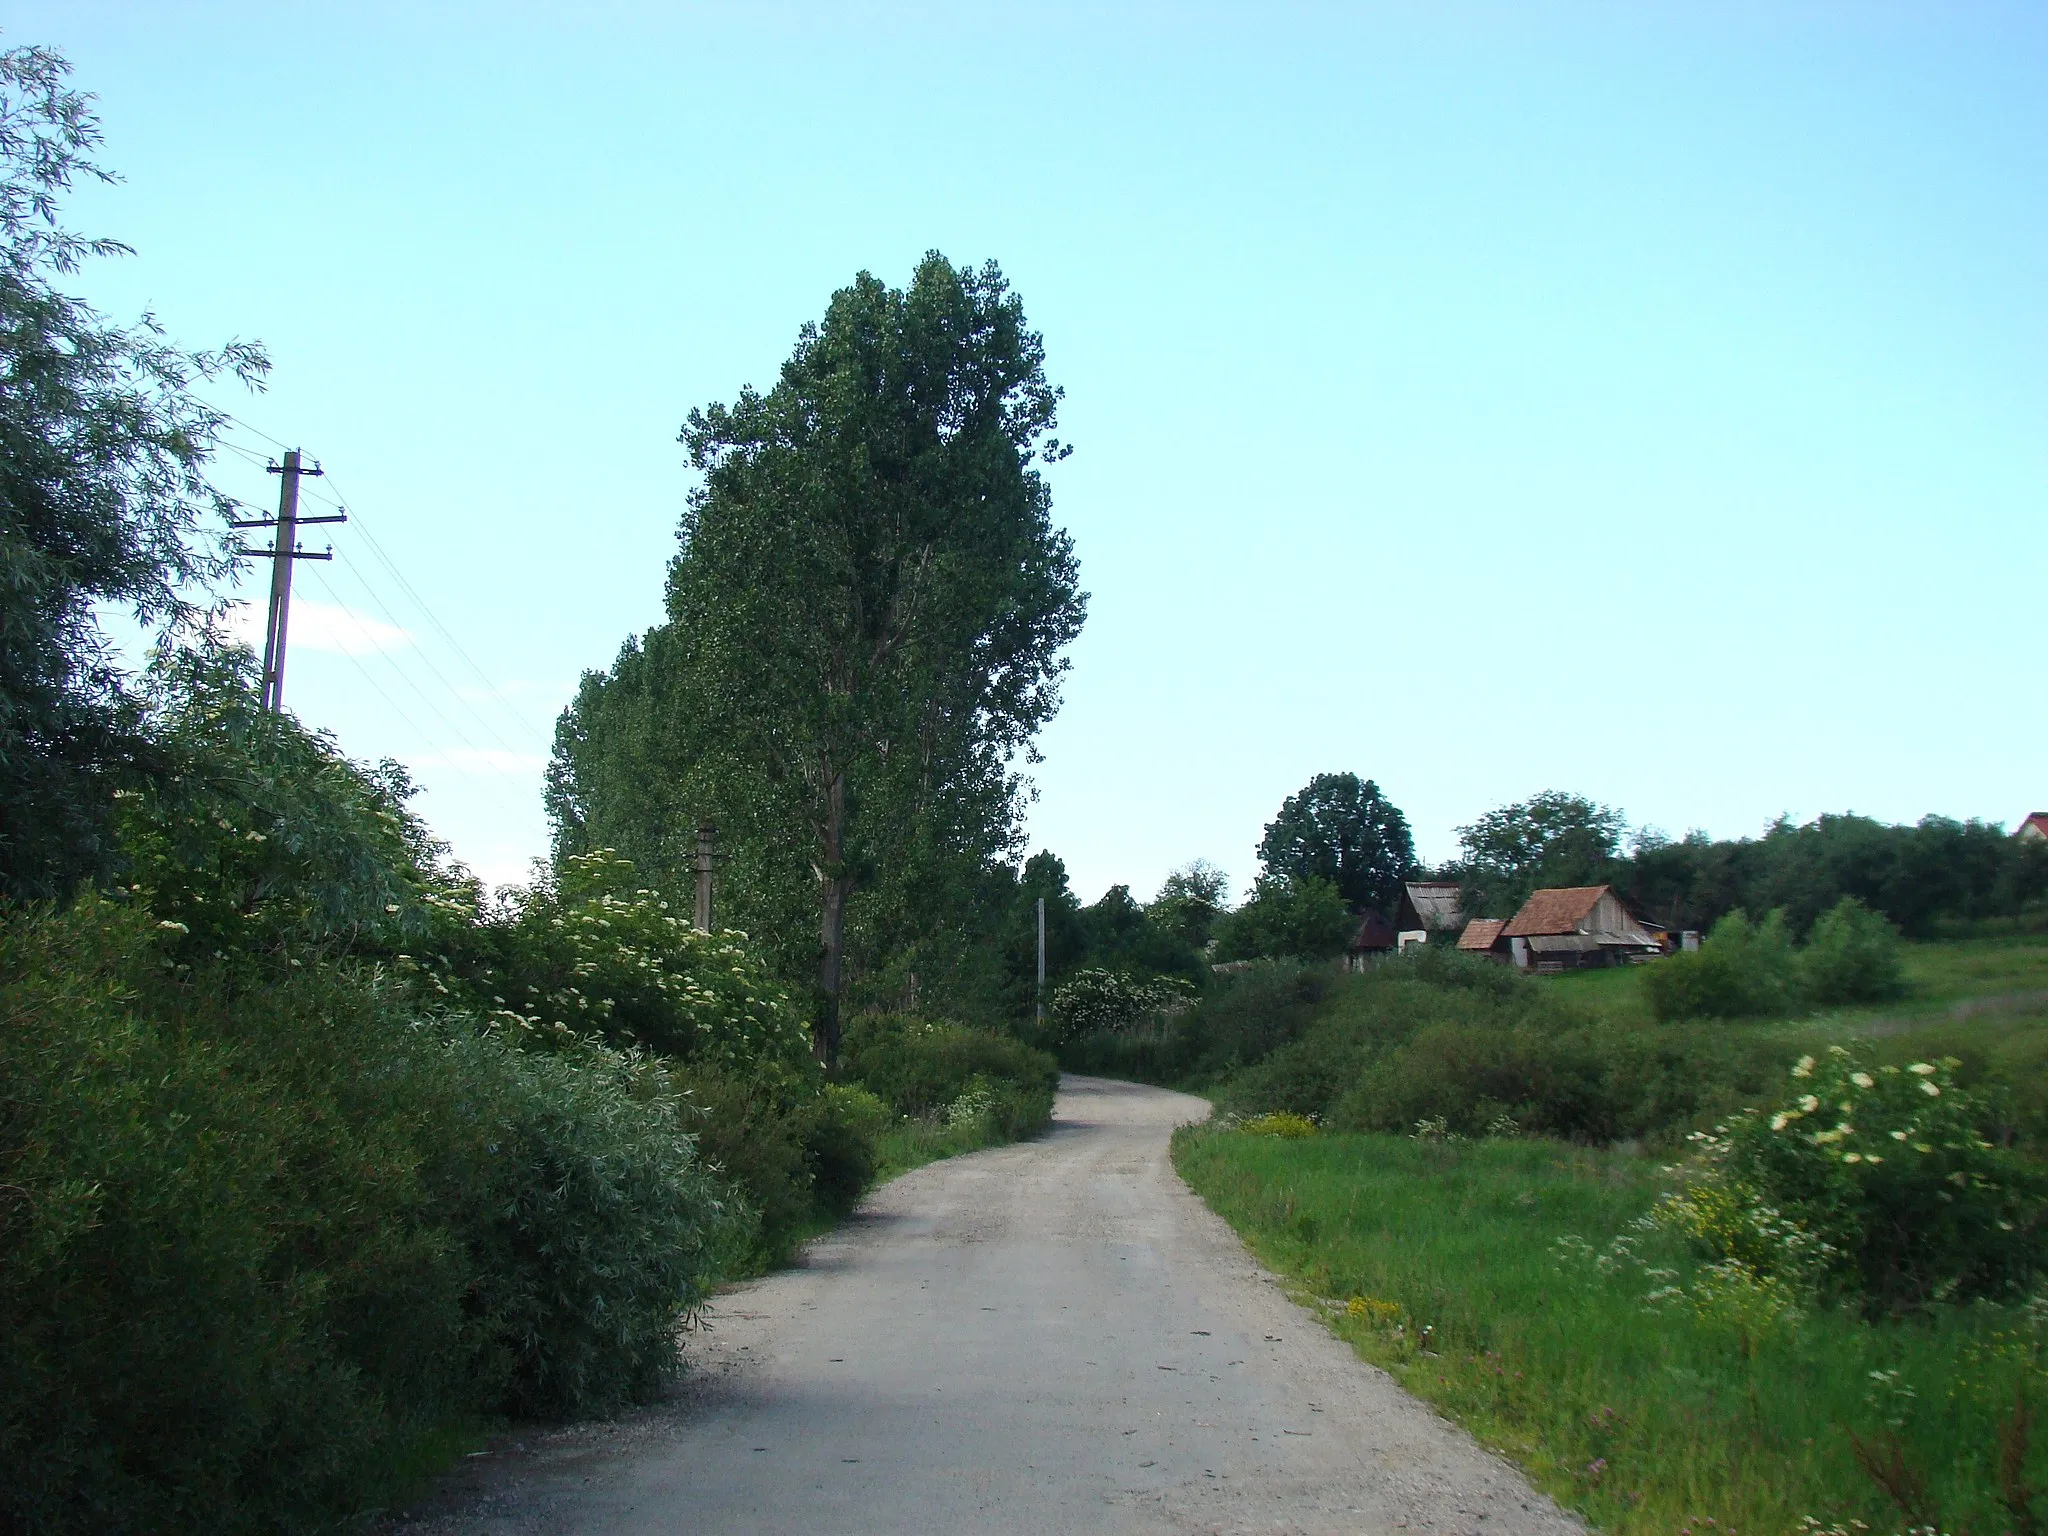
(1873,1180)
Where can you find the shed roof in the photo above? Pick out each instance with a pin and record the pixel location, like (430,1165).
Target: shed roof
(1373,932)
(1559,910)
(1481,933)
(1436,903)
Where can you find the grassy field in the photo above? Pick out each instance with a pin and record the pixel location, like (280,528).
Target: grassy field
(1945,981)
(1474,1291)
(1484,1274)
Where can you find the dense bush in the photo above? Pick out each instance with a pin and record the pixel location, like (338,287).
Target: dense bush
(1471,1047)
(1242,1017)
(1851,956)
(919,1067)
(1091,1000)
(1752,970)
(1743,970)
(1877,1178)
(258,1231)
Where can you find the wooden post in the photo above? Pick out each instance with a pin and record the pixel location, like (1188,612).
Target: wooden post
(1041,959)
(281,582)
(706,832)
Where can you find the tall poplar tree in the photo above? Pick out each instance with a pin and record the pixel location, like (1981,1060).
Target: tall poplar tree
(865,619)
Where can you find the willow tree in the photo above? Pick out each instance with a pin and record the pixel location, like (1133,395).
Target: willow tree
(868,609)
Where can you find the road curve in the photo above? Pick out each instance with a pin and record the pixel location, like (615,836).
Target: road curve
(1045,1338)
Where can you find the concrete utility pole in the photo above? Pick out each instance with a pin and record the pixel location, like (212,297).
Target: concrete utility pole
(1041,959)
(281,555)
(705,860)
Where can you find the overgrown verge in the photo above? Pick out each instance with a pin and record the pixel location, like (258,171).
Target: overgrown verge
(259,1234)
(1516,1285)
(311,1162)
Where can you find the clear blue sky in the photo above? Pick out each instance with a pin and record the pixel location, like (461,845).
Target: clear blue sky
(1648,400)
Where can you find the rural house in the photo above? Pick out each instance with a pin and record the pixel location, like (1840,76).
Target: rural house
(1579,925)
(2034,828)
(1428,908)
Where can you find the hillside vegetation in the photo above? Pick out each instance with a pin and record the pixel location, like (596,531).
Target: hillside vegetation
(1752,1271)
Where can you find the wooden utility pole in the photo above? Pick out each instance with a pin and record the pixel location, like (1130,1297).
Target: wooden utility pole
(281,555)
(706,860)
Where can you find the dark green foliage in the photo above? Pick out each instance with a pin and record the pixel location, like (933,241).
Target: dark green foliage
(1744,970)
(1243,1017)
(1851,956)
(257,1235)
(864,630)
(920,1067)
(260,838)
(1748,970)
(845,1126)
(1551,839)
(1189,902)
(103,447)
(1889,1168)
(1341,830)
(1922,877)
(1301,920)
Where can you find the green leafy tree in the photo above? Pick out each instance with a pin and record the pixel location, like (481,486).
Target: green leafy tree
(1190,900)
(866,618)
(1341,829)
(1550,839)
(1303,919)
(103,450)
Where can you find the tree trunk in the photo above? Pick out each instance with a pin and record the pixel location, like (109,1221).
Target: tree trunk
(835,886)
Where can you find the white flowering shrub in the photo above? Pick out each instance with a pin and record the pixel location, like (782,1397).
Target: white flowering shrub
(1872,1180)
(593,955)
(1094,1000)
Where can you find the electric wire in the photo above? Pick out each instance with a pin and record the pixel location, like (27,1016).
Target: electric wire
(385,609)
(330,495)
(389,564)
(496,777)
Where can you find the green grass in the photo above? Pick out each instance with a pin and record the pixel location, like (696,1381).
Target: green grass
(911,1143)
(1645,1420)
(2010,972)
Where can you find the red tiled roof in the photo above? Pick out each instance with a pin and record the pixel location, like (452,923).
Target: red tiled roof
(1560,910)
(1481,933)
(2038,821)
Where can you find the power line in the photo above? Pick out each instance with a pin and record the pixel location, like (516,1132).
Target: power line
(499,785)
(340,503)
(385,608)
(384,557)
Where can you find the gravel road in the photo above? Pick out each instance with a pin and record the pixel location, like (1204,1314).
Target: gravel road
(1044,1338)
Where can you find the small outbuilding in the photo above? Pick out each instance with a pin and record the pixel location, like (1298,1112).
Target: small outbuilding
(1429,908)
(1371,941)
(1575,926)
(1482,937)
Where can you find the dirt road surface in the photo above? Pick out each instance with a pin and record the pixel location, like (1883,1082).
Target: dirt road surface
(1045,1338)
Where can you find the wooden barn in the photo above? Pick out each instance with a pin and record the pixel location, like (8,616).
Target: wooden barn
(1430,908)
(1573,926)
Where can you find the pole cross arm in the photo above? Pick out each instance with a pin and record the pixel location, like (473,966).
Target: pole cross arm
(297,522)
(288,554)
